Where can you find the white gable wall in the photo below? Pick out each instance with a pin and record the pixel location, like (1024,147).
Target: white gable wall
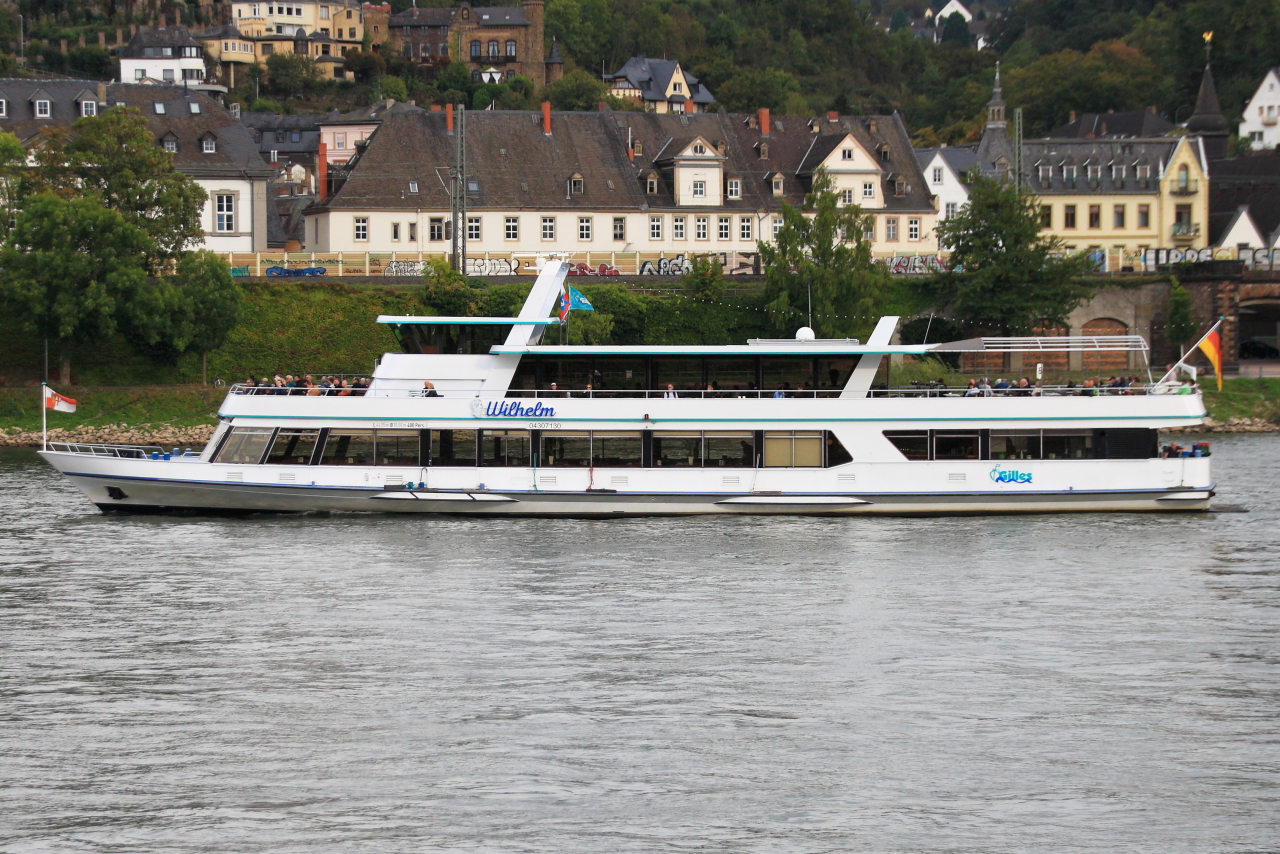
(1261,121)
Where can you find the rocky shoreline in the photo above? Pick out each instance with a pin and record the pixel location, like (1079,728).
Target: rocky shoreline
(163,435)
(1232,425)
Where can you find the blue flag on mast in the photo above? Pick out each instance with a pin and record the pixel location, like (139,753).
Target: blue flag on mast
(577,302)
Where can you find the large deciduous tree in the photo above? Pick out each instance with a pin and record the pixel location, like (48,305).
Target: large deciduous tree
(207,302)
(1007,275)
(69,269)
(821,263)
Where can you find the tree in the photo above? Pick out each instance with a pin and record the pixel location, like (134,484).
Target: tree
(1181,323)
(821,265)
(364,64)
(901,20)
(209,302)
(114,157)
(293,74)
(955,31)
(13,160)
(1006,274)
(753,88)
(705,279)
(69,268)
(393,87)
(446,290)
(577,90)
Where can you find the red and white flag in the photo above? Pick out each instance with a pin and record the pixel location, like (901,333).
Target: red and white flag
(61,403)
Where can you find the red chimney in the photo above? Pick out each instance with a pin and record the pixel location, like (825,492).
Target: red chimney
(764,121)
(603,106)
(448,117)
(546,117)
(435,108)
(322,173)
(631,155)
(832,116)
(162,20)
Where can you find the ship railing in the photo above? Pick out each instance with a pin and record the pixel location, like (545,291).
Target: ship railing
(913,390)
(96,449)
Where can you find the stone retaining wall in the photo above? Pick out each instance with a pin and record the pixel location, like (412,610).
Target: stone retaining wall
(116,434)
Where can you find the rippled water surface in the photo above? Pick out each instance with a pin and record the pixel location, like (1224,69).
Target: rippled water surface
(1048,683)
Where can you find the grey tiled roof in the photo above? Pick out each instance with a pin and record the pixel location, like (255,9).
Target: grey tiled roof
(1253,180)
(236,152)
(418,17)
(961,160)
(1129,123)
(1082,153)
(652,76)
(158,37)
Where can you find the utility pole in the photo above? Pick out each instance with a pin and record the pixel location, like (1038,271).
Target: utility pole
(458,193)
(22,41)
(1017,148)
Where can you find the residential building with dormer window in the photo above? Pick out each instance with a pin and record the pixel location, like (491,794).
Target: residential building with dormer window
(1260,123)
(168,56)
(660,85)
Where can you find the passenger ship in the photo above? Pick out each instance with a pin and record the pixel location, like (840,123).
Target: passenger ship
(528,428)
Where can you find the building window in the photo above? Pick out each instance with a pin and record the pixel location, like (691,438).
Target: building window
(195,108)
(846,197)
(1183,179)
(744,228)
(584,228)
(777,226)
(652,185)
(1143,173)
(619,228)
(268,49)
(493,47)
(1118,217)
(475,48)
(575,185)
(435,229)
(1046,216)
(777,186)
(678,87)
(395,231)
(1068,216)
(324,13)
(949,210)
(699,189)
(511,228)
(42,109)
(868,190)
(208,145)
(913,229)
(735,188)
(724,228)
(677,228)
(1255,136)
(891,228)
(339,141)
(1095,216)
(473,228)
(1046,174)
(1117,172)
(1144,216)
(413,232)
(846,154)
(225,205)
(1095,173)
(655,228)
(870,234)
(548,228)
(701,228)
(88,108)
(362,228)
(1069,175)
(511,49)
(699,148)
(937,174)
(444,49)
(171,146)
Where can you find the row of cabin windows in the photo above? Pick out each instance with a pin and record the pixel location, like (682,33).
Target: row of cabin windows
(1119,216)
(439,229)
(533,448)
(631,376)
(493,49)
(1109,444)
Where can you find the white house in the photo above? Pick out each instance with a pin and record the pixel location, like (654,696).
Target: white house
(1259,124)
(946,171)
(165,55)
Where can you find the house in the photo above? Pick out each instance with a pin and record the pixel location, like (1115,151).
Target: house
(504,41)
(648,182)
(1244,207)
(1259,122)
(233,52)
(661,85)
(322,29)
(341,133)
(208,145)
(1114,125)
(948,171)
(166,55)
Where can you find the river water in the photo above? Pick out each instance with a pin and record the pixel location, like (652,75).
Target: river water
(1080,683)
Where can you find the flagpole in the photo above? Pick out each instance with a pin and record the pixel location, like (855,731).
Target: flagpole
(44,416)
(1193,348)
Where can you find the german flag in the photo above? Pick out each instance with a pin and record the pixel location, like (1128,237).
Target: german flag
(1211,346)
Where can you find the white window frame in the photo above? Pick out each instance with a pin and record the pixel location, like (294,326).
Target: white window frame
(677,228)
(620,228)
(777,226)
(699,189)
(937,174)
(88,108)
(473,228)
(846,154)
(584,229)
(734,188)
(209,145)
(170,145)
(195,107)
(511,228)
(224,213)
(868,190)
(913,229)
(548,228)
(361,229)
(158,107)
(846,197)
(395,232)
(339,142)
(745,228)
(724,228)
(655,228)
(702,228)
(43,109)
(949,210)
(891,229)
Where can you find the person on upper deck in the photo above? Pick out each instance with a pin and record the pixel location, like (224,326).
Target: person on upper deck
(972,389)
(1023,389)
(1001,386)
(429,389)
(670,392)
(1089,390)
(984,386)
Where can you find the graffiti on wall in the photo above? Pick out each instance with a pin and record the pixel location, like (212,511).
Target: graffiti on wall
(915,265)
(240,271)
(404,268)
(676,266)
(493,267)
(581,269)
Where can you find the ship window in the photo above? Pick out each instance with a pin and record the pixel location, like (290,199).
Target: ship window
(615,450)
(398,448)
(613,377)
(348,448)
(791,449)
(837,455)
(832,375)
(729,375)
(245,445)
(1068,444)
(786,374)
(293,447)
(505,448)
(913,444)
(948,445)
(453,448)
(677,449)
(1133,443)
(1011,445)
(567,374)
(684,374)
(566,449)
(731,450)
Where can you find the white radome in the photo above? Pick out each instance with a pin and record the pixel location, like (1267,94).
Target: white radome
(804,333)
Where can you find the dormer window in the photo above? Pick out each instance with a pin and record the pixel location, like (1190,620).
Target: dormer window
(651,184)
(846,154)
(638,147)
(1046,173)
(1117,172)
(4,109)
(209,145)
(1143,172)
(699,148)
(733,188)
(764,151)
(88,108)
(575,184)
(884,153)
(170,143)
(195,107)
(777,185)
(1095,172)
(42,110)
(159,107)
(699,189)
(413,186)
(899,187)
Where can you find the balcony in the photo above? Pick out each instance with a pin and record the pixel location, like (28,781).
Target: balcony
(1187,189)
(1186,231)
(490,59)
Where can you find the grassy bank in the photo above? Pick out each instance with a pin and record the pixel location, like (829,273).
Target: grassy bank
(175,406)
(1243,398)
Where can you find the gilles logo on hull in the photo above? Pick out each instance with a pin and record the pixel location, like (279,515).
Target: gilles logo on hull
(513,409)
(999,475)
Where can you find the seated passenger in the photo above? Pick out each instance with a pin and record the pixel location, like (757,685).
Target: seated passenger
(972,389)
(1089,390)
(670,392)
(429,390)
(1024,388)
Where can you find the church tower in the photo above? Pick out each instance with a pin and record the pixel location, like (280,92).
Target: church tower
(996,147)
